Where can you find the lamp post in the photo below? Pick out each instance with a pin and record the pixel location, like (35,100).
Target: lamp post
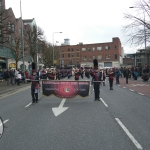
(22,35)
(53,45)
(144,30)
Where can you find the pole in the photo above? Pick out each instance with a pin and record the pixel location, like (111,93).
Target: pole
(53,45)
(22,36)
(145,35)
(53,49)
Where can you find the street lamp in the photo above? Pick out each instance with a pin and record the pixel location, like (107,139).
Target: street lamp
(53,45)
(144,29)
(22,35)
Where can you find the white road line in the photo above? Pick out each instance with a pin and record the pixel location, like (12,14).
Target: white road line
(129,134)
(103,102)
(131,90)
(119,85)
(141,94)
(28,105)
(124,87)
(5,121)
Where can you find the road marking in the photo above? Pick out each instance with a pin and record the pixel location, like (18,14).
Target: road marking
(131,90)
(129,134)
(28,105)
(103,102)
(6,95)
(60,109)
(5,121)
(119,85)
(141,93)
(124,87)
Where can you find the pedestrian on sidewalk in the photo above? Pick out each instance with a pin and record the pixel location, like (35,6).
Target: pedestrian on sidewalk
(12,75)
(7,76)
(127,74)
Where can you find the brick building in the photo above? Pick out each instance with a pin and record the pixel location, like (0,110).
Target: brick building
(15,26)
(108,54)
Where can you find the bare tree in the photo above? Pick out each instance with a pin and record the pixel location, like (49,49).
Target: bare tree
(32,38)
(137,31)
(47,54)
(6,26)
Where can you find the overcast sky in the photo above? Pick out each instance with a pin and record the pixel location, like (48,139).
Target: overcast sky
(87,21)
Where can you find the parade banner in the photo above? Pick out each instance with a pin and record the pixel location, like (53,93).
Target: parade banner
(65,89)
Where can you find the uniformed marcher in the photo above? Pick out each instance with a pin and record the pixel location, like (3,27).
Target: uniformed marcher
(111,78)
(76,74)
(34,84)
(96,79)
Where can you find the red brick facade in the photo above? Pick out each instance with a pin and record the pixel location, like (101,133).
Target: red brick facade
(107,54)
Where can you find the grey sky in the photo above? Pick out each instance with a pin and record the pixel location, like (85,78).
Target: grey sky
(87,21)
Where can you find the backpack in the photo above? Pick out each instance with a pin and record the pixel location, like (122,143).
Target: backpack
(120,73)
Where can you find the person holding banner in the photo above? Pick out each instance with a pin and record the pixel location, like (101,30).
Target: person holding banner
(34,84)
(96,79)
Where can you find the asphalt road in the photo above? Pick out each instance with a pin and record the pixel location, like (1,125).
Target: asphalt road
(120,121)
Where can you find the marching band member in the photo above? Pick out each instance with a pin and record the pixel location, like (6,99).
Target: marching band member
(96,78)
(111,78)
(34,84)
(76,74)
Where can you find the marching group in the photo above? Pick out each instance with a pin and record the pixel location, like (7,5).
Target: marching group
(98,76)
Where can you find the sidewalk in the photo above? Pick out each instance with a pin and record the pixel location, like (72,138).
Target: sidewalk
(139,79)
(4,88)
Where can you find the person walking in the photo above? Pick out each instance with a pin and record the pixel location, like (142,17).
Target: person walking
(111,78)
(12,75)
(76,74)
(117,74)
(127,74)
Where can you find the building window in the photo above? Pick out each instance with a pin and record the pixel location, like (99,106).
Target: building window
(68,49)
(72,55)
(115,56)
(9,39)
(62,55)
(89,57)
(13,28)
(68,55)
(99,57)
(62,50)
(93,57)
(107,48)
(115,47)
(93,48)
(77,61)
(138,60)
(89,49)
(84,58)
(72,49)
(77,49)
(99,48)
(9,27)
(107,57)
(77,54)
(20,31)
(83,49)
